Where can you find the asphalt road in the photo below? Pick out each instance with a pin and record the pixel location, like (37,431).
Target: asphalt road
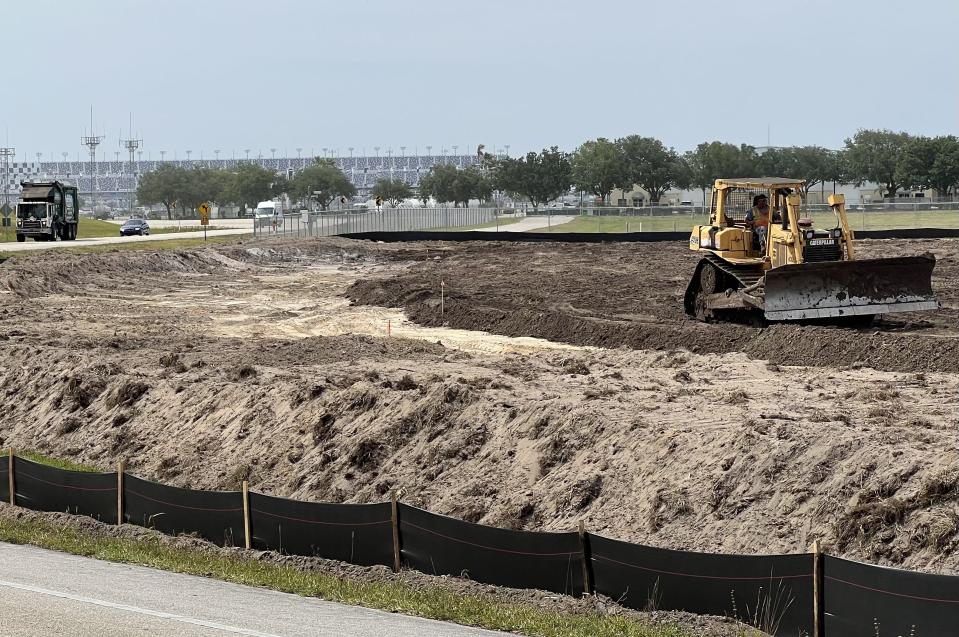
(45,593)
(30,244)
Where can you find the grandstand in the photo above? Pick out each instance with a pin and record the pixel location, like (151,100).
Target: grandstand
(115,180)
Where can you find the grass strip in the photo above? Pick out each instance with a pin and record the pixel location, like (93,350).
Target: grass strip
(683,222)
(165,244)
(430,602)
(57,463)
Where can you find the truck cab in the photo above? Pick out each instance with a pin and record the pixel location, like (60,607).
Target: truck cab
(47,211)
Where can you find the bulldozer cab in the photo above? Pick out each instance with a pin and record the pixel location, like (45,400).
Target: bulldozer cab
(743,235)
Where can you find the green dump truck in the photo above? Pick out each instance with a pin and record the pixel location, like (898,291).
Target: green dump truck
(47,211)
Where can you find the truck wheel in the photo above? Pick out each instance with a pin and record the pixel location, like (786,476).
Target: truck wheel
(21,238)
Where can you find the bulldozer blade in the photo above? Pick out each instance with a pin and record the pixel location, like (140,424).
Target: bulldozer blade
(850,288)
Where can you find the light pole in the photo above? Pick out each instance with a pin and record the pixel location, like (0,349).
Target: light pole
(162,155)
(91,141)
(247,151)
(216,153)
(64,154)
(6,154)
(507,149)
(298,151)
(273,153)
(188,154)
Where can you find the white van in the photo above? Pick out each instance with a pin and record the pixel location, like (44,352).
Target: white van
(266,209)
(268,214)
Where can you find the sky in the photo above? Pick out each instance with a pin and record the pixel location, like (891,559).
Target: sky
(203,75)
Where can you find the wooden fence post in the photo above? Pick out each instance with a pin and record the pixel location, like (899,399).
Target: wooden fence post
(121,467)
(396,531)
(587,584)
(246,513)
(816,589)
(10,483)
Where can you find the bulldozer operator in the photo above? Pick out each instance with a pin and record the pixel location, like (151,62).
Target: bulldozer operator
(758,219)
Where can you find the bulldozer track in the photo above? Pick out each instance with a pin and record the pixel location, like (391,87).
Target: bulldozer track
(746,275)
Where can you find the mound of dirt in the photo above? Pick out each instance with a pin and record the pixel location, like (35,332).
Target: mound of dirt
(612,295)
(862,460)
(244,362)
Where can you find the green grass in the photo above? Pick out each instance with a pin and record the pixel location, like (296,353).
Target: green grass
(489,224)
(434,602)
(172,229)
(167,244)
(54,462)
(684,222)
(93,228)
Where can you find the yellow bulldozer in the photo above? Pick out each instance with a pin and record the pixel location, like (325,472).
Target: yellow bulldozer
(763,260)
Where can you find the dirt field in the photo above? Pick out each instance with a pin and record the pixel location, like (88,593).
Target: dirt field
(207,367)
(631,295)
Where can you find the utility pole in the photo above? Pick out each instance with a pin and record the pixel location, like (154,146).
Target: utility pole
(91,141)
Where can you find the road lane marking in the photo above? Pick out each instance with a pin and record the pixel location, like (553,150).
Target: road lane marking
(137,609)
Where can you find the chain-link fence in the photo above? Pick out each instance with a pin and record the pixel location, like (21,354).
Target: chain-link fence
(881,216)
(325,224)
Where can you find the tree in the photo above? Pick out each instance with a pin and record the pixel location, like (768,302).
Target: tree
(203,184)
(930,163)
(652,166)
(814,164)
(540,177)
(249,185)
(717,160)
(393,191)
(426,188)
(449,183)
(599,167)
(873,155)
(164,185)
(322,181)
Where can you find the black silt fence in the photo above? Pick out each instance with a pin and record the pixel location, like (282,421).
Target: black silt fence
(355,533)
(761,590)
(909,233)
(44,488)
(611,237)
(439,545)
(522,237)
(214,515)
(4,478)
(858,597)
